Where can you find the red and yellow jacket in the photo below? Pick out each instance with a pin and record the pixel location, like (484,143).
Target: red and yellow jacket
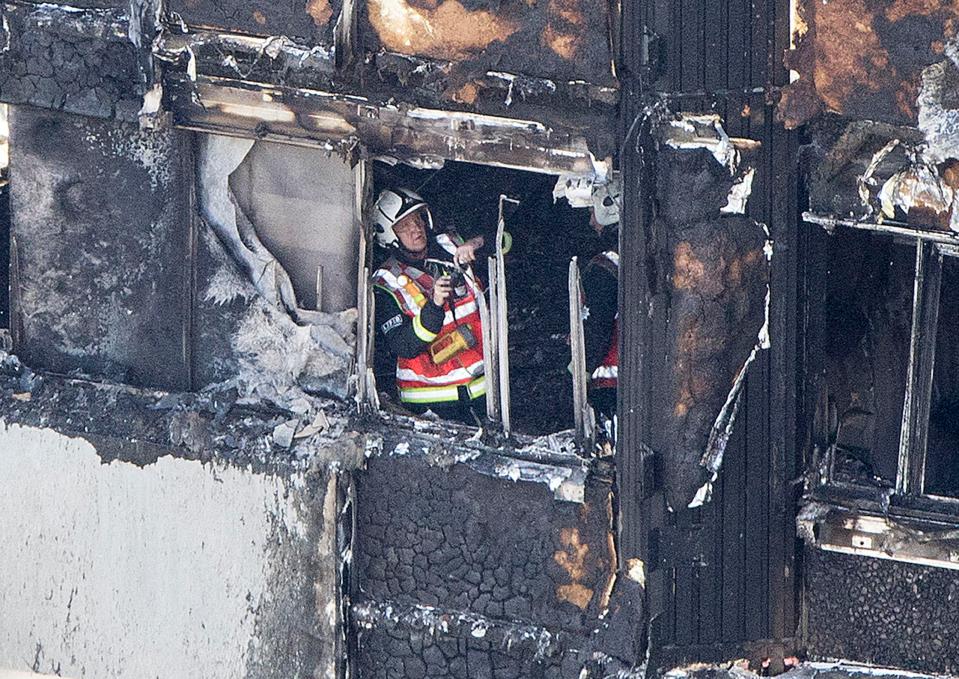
(419,380)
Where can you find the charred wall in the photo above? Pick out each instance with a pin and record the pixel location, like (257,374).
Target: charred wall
(75,60)
(881,612)
(560,39)
(101,248)
(309,22)
(864,59)
(488,566)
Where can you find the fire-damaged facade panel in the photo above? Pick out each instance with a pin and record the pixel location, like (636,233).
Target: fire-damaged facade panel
(213,461)
(864,59)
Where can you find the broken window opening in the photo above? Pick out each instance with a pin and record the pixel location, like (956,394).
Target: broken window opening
(868,325)
(892,365)
(545,235)
(299,201)
(278,230)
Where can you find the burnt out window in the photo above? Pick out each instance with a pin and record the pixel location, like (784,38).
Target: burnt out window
(891,361)
(543,235)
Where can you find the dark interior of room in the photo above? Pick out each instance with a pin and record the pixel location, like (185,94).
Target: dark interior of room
(465,197)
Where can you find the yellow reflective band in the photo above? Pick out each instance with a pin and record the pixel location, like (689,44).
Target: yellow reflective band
(507,242)
(476,388)
(422,332)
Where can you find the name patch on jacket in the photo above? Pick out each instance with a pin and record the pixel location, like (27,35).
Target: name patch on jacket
(393,323)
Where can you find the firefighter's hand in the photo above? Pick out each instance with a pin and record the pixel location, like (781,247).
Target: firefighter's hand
(442,289)
(466,253)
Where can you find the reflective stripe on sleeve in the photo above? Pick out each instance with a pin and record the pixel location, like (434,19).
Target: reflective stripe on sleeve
(421,332)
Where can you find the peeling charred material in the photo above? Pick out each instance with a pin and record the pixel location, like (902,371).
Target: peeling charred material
(939,107)
(79,61)
(340,122)
(711,285)
(864,59)
(879,173)
(566,39)
(307,21)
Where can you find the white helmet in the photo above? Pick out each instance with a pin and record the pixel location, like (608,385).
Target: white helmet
(607,199)
(390,207)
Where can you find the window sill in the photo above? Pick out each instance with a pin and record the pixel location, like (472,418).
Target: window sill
(880,535)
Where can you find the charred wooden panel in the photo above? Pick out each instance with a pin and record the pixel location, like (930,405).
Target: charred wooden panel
(101,235)
(864,58)
(558,39)
(709,47)
(306,21)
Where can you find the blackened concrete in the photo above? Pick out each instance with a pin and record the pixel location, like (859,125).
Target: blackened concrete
(79,61)
(101,227)
(882,612)
(461,571)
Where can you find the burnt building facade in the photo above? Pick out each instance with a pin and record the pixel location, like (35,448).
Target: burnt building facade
(203,470)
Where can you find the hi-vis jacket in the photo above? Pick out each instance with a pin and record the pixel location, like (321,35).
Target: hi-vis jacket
(418,379)
(601,327)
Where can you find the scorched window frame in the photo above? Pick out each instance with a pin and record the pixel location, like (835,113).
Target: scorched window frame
(931,248)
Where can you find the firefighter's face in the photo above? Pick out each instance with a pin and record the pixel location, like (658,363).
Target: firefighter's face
(411,230)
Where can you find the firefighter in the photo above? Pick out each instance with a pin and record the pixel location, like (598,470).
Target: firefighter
(600,282)
(426,309)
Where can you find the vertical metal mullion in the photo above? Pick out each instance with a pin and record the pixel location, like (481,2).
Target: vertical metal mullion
(922,352)
(364,335)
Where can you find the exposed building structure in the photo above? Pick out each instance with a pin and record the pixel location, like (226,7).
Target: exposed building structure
(203,470)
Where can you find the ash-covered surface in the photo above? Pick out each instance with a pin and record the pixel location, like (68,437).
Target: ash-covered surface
(545,235)
(139,426)
(101,230)
(881,612)
(78,61)
(560,39)
(805,670)
(308,21)
(711,275)
(864,59)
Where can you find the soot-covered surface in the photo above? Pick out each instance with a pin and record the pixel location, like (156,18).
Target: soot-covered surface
(306,21)
(80,61)
(465,197)
(709,291)
(868,326)
(101,228)
(864,58)
(882,612)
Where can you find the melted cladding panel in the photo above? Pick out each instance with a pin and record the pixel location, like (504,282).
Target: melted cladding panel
(864,58)
(560,39)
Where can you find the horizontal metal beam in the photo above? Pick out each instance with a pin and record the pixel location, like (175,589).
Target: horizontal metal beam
(340,123)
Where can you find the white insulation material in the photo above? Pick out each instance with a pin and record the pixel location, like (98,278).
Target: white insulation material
(113,570)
